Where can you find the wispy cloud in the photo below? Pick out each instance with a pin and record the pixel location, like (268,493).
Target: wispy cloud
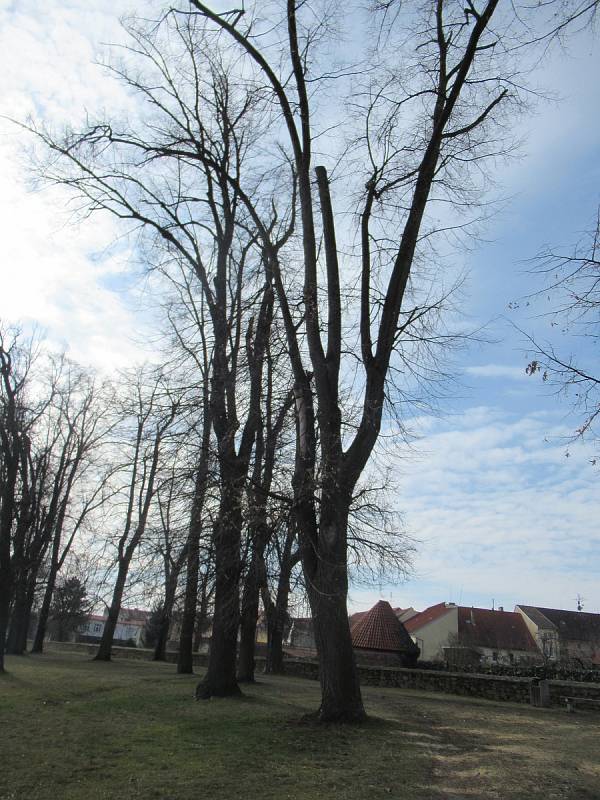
(497,371)
(501,514)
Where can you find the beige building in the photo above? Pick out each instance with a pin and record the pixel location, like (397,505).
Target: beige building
(462,634)
(568,637)
(432,629)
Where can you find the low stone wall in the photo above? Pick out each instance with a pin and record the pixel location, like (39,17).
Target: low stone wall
(515,690)
(132,653)
(560,689)
(466,684)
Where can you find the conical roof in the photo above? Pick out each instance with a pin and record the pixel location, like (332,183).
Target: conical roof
(380,629)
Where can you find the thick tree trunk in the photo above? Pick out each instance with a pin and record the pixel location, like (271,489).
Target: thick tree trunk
(220,679)
(16,642)
(341,699)
(274,660)
(327,586)
(106,643)
(249,619)
(5,594)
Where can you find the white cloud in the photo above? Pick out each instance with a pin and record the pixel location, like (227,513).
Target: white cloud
(57,274)
(501,514)
(497,371)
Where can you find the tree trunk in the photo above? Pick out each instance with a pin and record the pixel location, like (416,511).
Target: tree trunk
(327,586)
(277,611)
(201,616)
(5,594)
(160,649)
(16,642)
(220,679)
(249,619)
(185,659)
(40,634)
(108,634)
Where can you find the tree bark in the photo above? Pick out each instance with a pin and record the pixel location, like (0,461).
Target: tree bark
(185,657)
(201,617)
(5,594)
(327,590)
(277,611)
(40,633)
(160,648)
(220,679)
(16,642)
(106,642)
(249,619)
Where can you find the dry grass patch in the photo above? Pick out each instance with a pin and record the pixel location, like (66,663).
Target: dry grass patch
(75,729)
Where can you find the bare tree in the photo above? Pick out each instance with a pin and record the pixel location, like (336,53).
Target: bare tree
(215,174)
(406,166)
(78,484)
(264,509)
(287,554)
(172,547)
(147,420)
(572,290)
(15,363)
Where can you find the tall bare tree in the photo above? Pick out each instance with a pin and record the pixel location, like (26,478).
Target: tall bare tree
(147,420)
(417,133)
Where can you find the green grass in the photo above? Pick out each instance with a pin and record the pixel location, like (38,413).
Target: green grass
(72,729)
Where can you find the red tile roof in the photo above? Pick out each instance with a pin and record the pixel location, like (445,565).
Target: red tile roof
(425,617)
(380,629)
(497,630)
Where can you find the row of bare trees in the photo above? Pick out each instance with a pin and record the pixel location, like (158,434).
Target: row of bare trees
(53,418)
(291,196)
(129,474)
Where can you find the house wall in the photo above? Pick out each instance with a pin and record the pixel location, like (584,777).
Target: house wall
(124,631)
(555,648)
(583,653)
(433,637)
(508,657)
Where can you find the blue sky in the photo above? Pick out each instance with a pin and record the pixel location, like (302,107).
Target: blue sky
(500,513)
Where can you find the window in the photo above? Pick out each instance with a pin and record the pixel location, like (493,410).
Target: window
(97,627)
(495,656)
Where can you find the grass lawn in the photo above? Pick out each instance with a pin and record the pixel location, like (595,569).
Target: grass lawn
(73,729)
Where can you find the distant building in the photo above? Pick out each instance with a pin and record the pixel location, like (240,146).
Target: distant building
(301,634)
(130,626)
(379,633)
(462,634)
(404,614)
(564,636)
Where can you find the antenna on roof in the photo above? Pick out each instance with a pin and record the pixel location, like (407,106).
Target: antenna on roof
(580,600)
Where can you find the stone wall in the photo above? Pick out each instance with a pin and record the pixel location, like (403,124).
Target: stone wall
(515,690)
(560,689)
(491,687)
